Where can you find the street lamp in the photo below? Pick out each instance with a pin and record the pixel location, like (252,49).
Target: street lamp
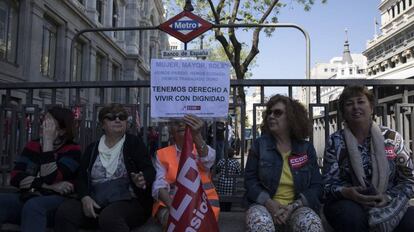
(188,6)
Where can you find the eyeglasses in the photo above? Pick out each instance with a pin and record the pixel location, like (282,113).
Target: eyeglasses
(112,117)
(276,112)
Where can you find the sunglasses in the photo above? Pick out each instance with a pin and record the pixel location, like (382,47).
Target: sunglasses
(276,112)
(112,117)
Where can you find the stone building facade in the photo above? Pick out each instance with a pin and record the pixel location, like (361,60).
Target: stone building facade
(390,54)
(36,37)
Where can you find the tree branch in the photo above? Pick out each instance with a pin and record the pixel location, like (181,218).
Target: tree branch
(233,39)
(220,7)
(226,46)
(235,11)
(255,40)
(268,11)
(213,10)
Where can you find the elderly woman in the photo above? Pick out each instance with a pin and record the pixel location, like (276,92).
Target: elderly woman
(282,177)
(115,181)
(44,173)
(166,164)
(368,173)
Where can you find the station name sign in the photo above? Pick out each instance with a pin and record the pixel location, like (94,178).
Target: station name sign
(185,53)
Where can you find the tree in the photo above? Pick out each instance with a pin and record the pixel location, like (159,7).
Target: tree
(241,11)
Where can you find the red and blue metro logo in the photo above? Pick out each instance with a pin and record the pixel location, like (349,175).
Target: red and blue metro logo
(185,26)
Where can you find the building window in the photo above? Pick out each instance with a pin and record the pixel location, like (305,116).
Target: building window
(342,72)
(325,70)
(403,3)
(141,42)
(115,77)
(393,11)
(332,70)
(399,41)
(99,10)
(115,17)
(8,30)
(389,46)
(350,71)
(77,61)
(98,71)
(49,43)
(398,8)
(410,2)
(81,1)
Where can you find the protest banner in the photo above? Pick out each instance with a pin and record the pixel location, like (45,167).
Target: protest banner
(191,210)
(180,87)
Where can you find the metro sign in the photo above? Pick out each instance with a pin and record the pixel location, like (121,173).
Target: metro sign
(185,26)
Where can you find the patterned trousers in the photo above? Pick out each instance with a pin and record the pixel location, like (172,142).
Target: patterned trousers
(304,219)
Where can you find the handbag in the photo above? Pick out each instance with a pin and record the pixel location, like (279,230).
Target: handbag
(110,191)
(387,218)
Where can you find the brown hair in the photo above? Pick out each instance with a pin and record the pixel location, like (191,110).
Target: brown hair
(111,108)
(65,120)
(354,91)
(296,115)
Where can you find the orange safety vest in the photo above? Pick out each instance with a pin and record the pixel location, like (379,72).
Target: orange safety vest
(168,158)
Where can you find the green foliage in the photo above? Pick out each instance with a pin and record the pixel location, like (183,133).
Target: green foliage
(240,56)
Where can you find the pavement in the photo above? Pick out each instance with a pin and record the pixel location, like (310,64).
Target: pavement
(228,222)
(231,221)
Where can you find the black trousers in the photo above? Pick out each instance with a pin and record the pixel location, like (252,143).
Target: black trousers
(118,216)
(347,215)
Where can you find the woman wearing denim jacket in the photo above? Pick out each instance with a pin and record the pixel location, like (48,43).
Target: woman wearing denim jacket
(282,177)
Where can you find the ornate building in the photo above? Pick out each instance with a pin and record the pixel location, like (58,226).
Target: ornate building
(390,54)
(36,36)
(347,66)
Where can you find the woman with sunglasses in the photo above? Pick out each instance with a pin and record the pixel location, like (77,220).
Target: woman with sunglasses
(44,173)
(282,179)
(115,181)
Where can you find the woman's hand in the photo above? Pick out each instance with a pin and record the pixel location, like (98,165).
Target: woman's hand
(276,210)
(50,133)
(139,180)
(285,215)
(63,187)
(88,206)
(353,193)
(196,124)
(383,200)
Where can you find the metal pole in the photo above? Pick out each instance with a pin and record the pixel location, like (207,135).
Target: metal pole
(290,25)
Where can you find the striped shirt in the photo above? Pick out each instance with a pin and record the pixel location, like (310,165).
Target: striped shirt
(34,167)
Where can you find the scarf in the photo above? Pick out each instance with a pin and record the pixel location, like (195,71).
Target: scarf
(378,158)
(110,156)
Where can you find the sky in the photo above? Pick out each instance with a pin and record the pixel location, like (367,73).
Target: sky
(282,56)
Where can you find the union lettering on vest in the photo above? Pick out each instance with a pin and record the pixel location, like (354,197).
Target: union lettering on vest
(298,161)
(390,153)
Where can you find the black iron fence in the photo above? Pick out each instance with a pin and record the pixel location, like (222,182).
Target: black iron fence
(23,104)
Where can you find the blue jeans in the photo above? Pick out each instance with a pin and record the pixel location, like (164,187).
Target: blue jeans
(31,215)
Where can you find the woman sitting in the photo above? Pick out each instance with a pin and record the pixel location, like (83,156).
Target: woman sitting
(167,161)
(368,173)
(282,177)
(44,174)
(115,180)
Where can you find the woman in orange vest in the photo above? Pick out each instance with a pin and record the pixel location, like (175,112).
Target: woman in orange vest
(166,165)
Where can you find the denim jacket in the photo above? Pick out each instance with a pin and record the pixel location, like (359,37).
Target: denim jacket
(264,168)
